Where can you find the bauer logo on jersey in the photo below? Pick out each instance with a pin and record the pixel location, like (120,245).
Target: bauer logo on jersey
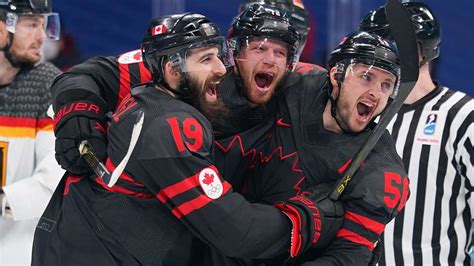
(211,183)
(131,57)
(430,128)
(160,29)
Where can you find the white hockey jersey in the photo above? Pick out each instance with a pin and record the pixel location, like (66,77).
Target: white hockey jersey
(29,172)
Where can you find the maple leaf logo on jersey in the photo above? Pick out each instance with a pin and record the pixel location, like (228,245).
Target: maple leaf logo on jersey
(208,179)
(131,57)
(210,183)
(138,56)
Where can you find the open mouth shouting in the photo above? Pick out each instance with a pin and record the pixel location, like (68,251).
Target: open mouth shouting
(211,90)
(365,110)
(263,80)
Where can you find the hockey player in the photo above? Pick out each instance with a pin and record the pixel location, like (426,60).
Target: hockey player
(294,146)
(309,134)
(238,155)
(299,16)
(170,191)
(28,171)
(106,81)
(434,135)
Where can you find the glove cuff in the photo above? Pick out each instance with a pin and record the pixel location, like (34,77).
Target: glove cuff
(306,219)
(78,108)
(295,218)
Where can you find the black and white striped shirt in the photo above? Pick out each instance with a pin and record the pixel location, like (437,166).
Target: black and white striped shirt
(435,138)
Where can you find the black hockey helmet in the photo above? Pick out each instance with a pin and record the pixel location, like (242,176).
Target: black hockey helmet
(10,10)
(299,16)
(366,48)
(427,29)
(26,7)
(169,37)
(261,20)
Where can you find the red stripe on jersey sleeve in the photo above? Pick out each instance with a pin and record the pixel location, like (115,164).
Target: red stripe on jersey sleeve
(178,188)
(145,75)
(124,75)
(196,203)
(182,186)
(368,223)
(356,238)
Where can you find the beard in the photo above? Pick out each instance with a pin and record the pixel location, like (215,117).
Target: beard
(216,111)
(19,55)
(19,62)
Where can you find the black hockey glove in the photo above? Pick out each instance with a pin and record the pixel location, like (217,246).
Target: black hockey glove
(73,123)
(315,218)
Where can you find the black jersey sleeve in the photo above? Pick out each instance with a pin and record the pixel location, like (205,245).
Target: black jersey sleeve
(101,80)
(179,171)
(379,192)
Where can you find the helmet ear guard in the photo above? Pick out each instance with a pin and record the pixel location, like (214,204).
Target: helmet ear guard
(176,61)
(339,75)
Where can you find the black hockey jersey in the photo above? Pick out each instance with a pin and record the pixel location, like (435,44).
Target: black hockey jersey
(290,151)
(104,80)
(238,156)
(169,193)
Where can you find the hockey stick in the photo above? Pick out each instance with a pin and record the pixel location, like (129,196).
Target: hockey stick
(99,168)
(86,151)
(403,34)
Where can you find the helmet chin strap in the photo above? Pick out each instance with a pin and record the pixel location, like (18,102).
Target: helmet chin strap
(337,118)
(7,52)
(184,91)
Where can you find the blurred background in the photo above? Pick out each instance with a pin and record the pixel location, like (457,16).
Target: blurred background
(109,27)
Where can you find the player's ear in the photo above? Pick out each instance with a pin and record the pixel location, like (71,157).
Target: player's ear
(172,75)
(171,71)
(335,77)
(3,34)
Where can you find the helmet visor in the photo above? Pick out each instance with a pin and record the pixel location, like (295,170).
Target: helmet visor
(268,51)
(369,75)
(51,24)
(197,56)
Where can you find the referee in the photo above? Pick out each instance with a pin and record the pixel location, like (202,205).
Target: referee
(434,134)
